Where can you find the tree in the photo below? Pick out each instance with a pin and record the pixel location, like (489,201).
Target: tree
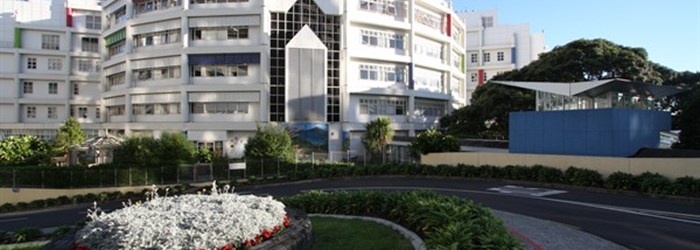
(271,142)
(432,141)
(27,149)
(171,149)
(68,135)
(175,149)
(689,118)
(379,135)
(580,60)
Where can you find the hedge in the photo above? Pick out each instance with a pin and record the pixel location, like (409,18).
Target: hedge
(443,222)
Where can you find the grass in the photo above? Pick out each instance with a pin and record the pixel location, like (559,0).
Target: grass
(350,234)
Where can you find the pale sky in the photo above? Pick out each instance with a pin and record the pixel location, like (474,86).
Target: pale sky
(668,30)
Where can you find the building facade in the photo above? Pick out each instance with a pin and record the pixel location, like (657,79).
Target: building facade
(49,57)
(217,69)
(494,48)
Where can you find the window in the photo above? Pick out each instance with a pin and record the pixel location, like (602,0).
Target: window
(93,22)
(50,42)
(28,88)
(218,1)
(487,57)
(500,56)
(487,21)
(382,73)
(473,76)
(428,19)
(76,89)
(157,73)
(31,112)
(386,7)
(157,38)
(51,113)
(116,48)
(84,65)
(382,39)
(220,33)
(115,110)
(89,44)
(485,77)
(55,64)
(229,70)
(429,108)
(116,79)
(382,106)
(120,15)
(31,63)
(473,58)
(156,109)
(53,88)
(219,108)
(97,113)
(82,112)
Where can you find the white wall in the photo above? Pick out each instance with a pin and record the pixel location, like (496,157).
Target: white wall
(251,116)
(8,88)
(31,39)
(42,65)
(355,84)
(253,39)
(41,89)
(252,78)
(42,113)
(7,63)
(87,91)
(353,112)
(91,111)
(8,113)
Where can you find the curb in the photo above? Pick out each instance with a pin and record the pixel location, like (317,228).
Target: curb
(416,241)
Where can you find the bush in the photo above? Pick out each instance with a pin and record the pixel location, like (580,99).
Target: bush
(654,183)
(444,222)
(621,181)
(27,234)
(37,204)
(7,207)
(547,174)
(583,177)
(687,186)
(432,141)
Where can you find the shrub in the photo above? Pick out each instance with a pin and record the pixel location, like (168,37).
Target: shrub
(444,222)
(432,141)
(547,174)
(26,234)
(583,177)
(63,200)
(22,205)
(37,204)
(77,199)
(621,181)
(653,183)
(687,186)
(8,207)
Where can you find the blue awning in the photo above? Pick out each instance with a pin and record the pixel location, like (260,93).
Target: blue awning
(214,59)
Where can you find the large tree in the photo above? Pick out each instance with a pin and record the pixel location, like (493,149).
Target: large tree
(432,141)
(580,60)
(688,121)
(68,135)
(271,142)
(378,136)
(27,149)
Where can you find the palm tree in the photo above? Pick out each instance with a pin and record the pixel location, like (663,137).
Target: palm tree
(378,136)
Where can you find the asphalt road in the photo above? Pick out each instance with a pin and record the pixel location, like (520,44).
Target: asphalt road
(633,222)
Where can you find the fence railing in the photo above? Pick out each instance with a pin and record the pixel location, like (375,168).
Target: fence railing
(109,176)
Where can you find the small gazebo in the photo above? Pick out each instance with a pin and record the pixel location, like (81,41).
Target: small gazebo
(98,148)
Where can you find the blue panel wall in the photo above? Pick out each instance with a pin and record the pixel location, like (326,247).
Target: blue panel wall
(595,132)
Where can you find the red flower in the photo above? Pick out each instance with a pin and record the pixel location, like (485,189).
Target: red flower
(227,247)
(266,234)
(276,229)
(286,221)
(248,243)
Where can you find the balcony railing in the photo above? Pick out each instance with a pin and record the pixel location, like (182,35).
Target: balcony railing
(148,6)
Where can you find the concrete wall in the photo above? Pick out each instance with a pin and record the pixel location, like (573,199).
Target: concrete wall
(31,194)
(669,167)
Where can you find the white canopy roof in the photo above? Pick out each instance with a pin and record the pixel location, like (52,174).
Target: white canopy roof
(596,88)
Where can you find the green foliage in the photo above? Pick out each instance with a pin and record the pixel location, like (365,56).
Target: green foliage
(580,60)
(171,149)
(432,141)
(621,181)
(654,183)
(686,185)
(444,222)
(583,177)
(688,120)
(23,150)
(68,135)
(271,142)
(351,234)
(27,234)
(379,134)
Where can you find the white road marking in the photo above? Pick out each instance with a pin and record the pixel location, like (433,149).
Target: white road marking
(14,219)
(634,211)
(539,192)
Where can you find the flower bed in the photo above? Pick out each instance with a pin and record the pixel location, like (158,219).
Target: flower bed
(216,221)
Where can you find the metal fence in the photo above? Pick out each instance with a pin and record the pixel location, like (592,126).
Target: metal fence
(106,176)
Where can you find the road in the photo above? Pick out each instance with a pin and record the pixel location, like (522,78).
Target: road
(633,222)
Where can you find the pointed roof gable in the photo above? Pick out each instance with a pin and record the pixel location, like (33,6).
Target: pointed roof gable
(307,39)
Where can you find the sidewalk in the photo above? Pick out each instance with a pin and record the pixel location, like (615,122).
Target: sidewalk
(542,234)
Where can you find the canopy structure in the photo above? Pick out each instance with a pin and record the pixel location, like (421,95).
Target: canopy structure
(99,149)
(609,93)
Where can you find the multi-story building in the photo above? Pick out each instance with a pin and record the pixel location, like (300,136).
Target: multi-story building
(494,48)
(49,66)
(216,69)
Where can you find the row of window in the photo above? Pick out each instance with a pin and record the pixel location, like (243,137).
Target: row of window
(116,79)
(382,39)
(157,38)
(156,109)
(474,77)
(52,112)
(116,48)
(500,56)
(382,107)
(157,73)
(28,88)
(428,50)
(429,108)
(146,6)
(218,1)
(386,7)
(53,63)
(427,81)
(227,70)
(219,33)
(50,42)
(382,73)
(219,108)
(428,19)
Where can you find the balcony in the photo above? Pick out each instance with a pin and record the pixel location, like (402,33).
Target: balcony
(147,6)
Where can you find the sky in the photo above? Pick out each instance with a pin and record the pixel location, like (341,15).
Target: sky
(668,30)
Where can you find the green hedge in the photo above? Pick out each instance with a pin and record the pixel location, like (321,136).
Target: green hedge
(443,222)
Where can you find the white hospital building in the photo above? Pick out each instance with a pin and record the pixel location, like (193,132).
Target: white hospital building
(215,69)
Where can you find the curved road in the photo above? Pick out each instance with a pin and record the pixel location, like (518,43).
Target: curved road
(633,222)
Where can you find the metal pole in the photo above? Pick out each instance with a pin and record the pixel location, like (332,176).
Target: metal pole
(70,184)
(130,177)
(145,179)
(116,184)
(194,172)
(313,159)
(262,171)
(99,172)
(228,171)
(14,178)
(211,171)
(162,181)
(364,157)
(278,167)
(177,175)
(85,178)
(42,178)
